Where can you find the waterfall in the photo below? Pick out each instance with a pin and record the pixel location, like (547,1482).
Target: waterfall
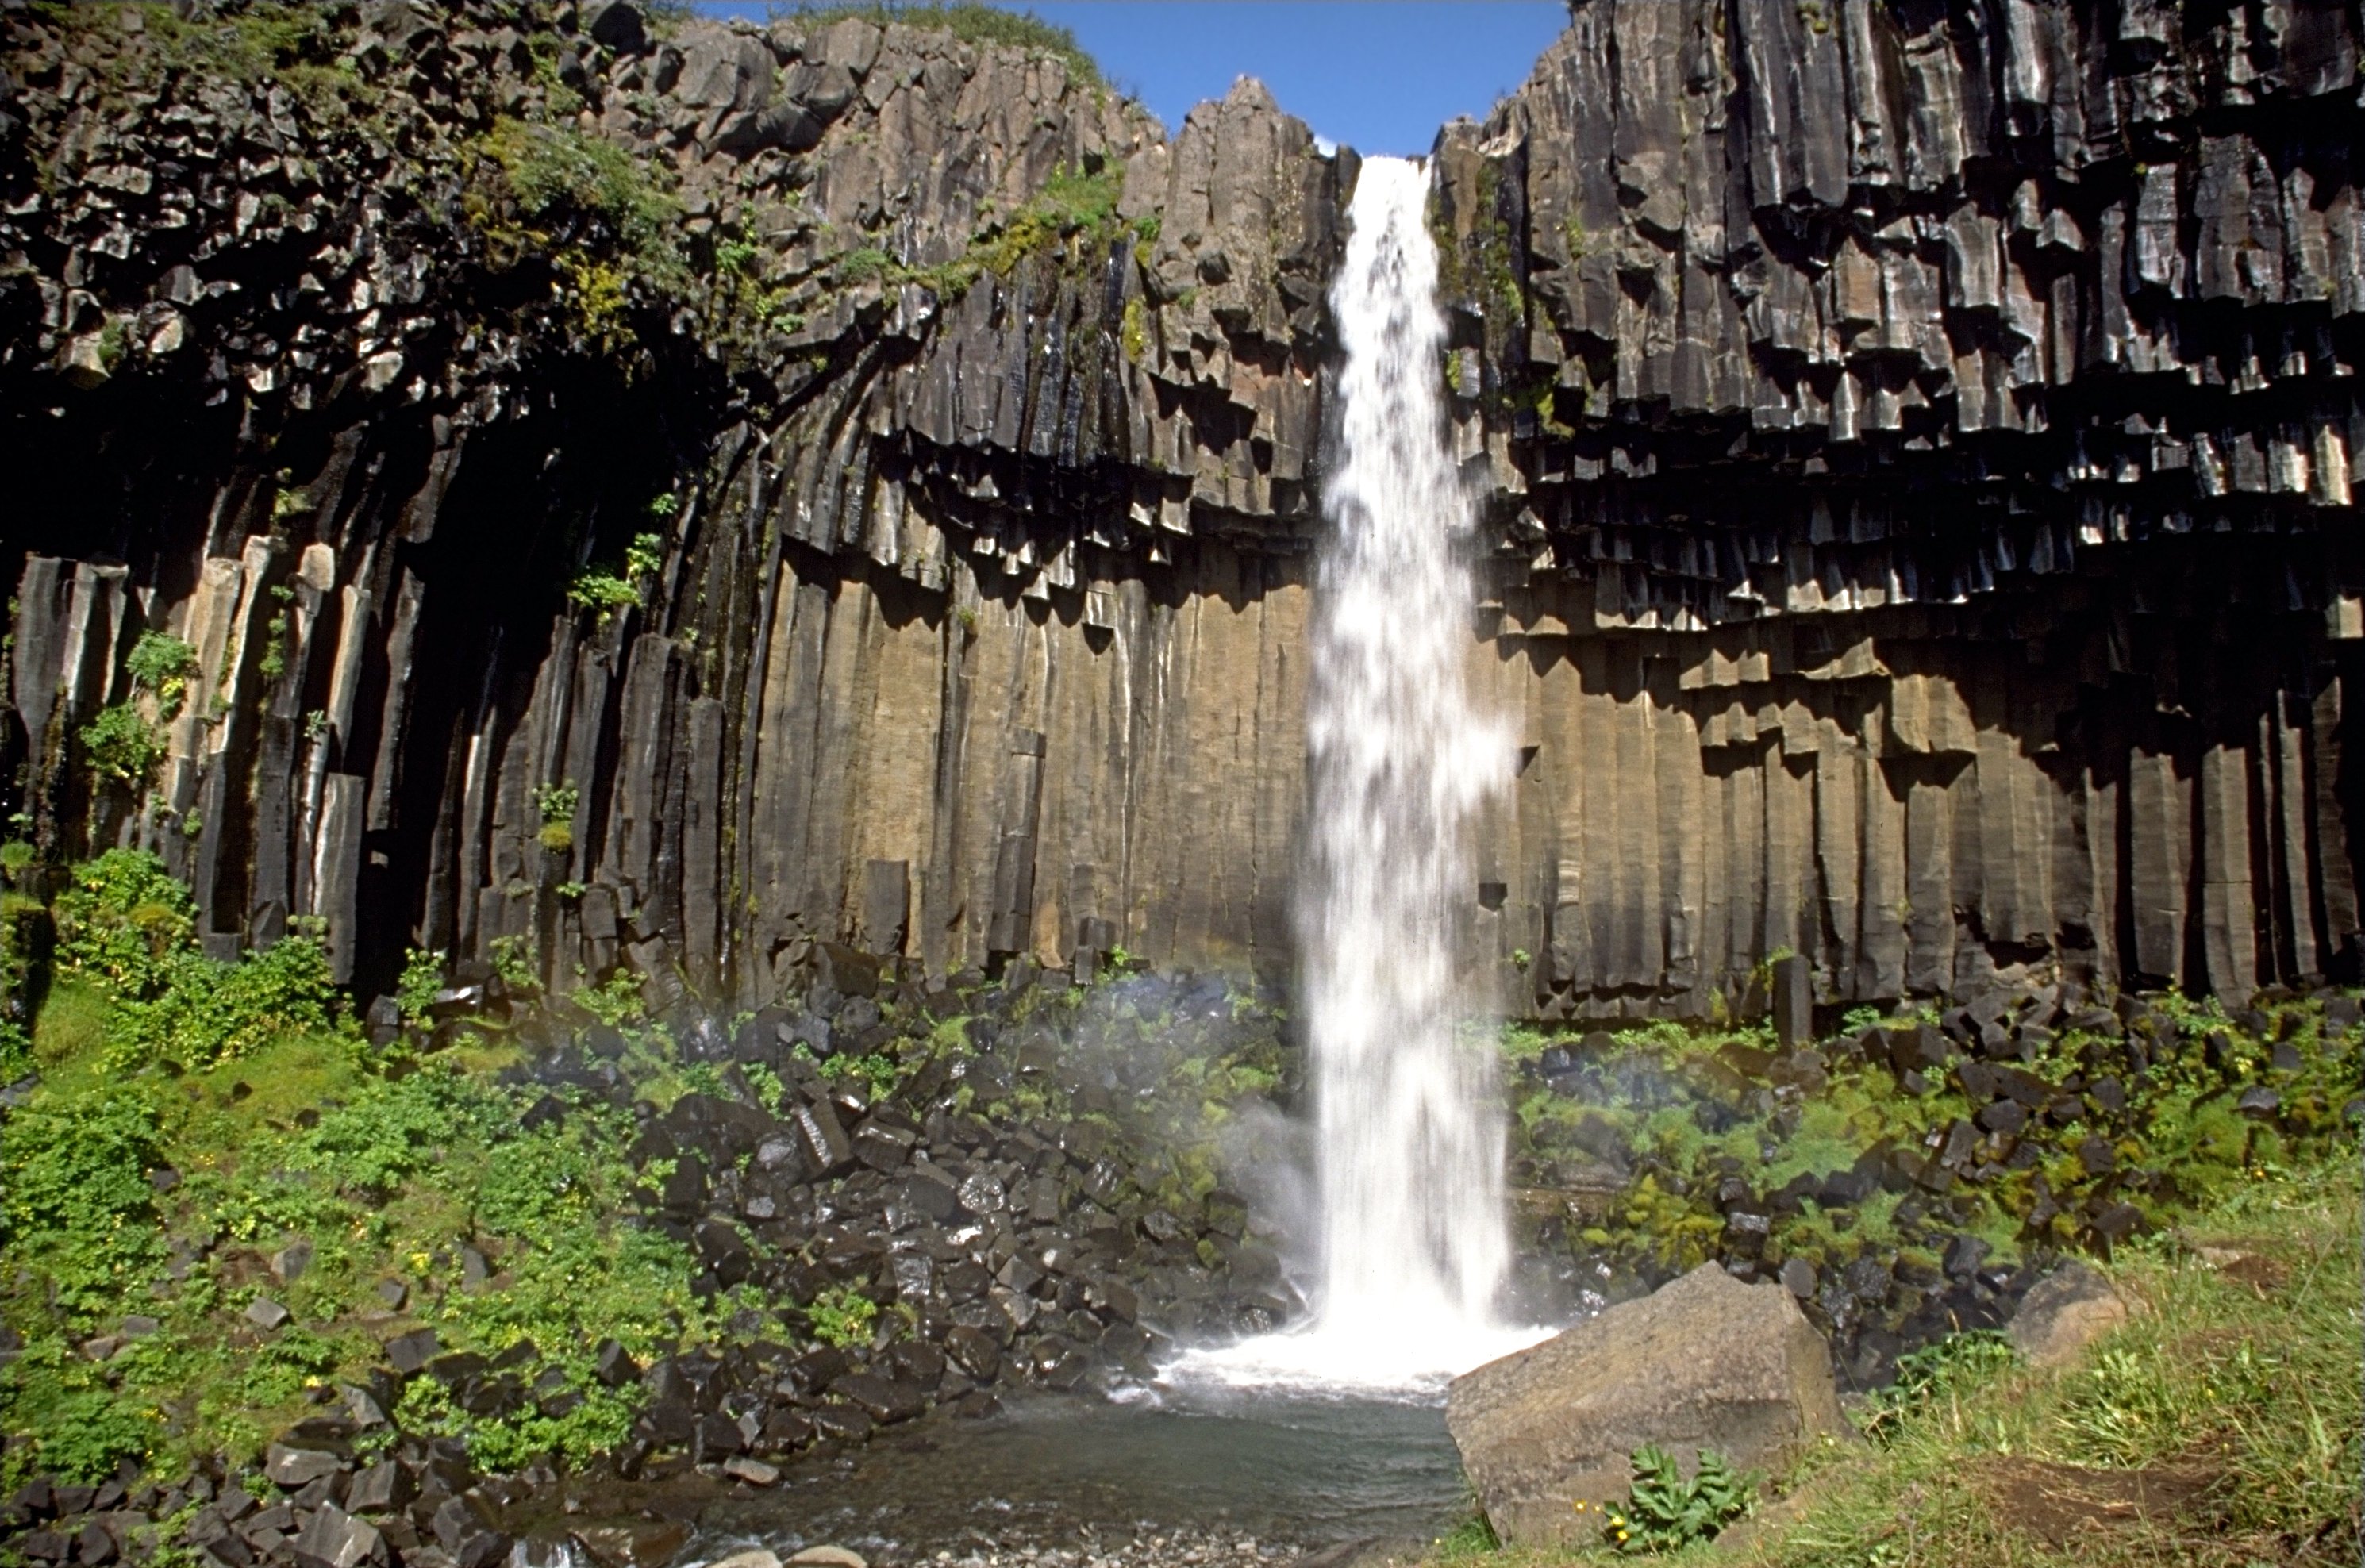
(1409,1143)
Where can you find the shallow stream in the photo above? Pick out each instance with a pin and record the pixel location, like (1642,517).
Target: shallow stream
(1063,1473)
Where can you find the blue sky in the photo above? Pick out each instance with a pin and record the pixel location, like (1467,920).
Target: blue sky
(1380,75)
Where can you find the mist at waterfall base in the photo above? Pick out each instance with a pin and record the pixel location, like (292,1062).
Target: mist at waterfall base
(1409,1142)
(1388,1200)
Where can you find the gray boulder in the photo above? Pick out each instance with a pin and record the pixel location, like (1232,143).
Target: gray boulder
(2063,1312)
(1706,1362)
(334,1539)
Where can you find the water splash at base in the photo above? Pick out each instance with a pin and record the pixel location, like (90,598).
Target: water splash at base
(1409,1138)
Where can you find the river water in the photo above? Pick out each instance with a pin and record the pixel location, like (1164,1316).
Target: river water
(1286,1471)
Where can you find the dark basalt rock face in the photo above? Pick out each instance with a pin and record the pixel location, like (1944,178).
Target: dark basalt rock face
(1915,441)
(1920,441)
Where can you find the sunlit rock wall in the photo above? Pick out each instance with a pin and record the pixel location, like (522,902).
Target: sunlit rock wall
(1920,438)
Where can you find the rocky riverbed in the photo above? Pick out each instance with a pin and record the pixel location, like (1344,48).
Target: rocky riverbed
(958,1228)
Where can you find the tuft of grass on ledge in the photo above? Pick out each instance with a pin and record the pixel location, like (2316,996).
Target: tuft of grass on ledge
(968,20)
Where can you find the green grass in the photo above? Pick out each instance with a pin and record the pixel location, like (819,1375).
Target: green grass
(248,1083)
(1073,216)
(157,1173)
(2233,1388)
(1667,1099)
(969,21)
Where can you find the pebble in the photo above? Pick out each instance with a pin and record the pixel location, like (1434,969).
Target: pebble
(1166,1549)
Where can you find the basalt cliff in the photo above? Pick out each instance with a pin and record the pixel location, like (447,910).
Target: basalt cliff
(636,491)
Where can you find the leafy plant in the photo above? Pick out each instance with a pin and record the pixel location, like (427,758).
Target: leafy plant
(121,918)
(842,1316)
(209,1010)
(122,745)
(1664,1512)
(1950,1367)
(555,171)
(615,1001)
(603,591)
(555,805)
(646,554)
(422,977)
(769,1091)
(162,666)
(512,959)
(121,741)
(77,1206)
(609,593)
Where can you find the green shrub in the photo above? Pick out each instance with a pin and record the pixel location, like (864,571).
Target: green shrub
(646,554)
(129,925)
(78,1209)
(1954,1365)
(81,1428)
(121,918)
(513,959)
(423,979)
(842,1316)
(615,1001)
(162,666)
(557,803)
(609,593)
(393,1128)
(603,591)
(1664,1512)
(209,1012)
(122,745)
(556,171)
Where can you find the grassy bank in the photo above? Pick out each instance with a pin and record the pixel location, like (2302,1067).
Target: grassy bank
(2220,1426)
(220,1198)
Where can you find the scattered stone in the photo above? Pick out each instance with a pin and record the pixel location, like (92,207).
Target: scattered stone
(411,1352)
(334,1539)
(266,1314)
(754,1471)
(294,1467)
(2063,1312)
(828,1557)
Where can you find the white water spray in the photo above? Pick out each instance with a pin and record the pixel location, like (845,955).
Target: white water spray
(1410,1142)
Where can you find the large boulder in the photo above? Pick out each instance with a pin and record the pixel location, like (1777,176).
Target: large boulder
(1706,1362)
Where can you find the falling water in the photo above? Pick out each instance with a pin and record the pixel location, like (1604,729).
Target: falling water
(1414,1248)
